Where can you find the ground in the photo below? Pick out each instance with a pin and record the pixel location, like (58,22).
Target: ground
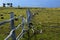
(45,19)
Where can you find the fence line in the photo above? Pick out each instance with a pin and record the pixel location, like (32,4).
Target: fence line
(11,20)
(12,32)
(6,21)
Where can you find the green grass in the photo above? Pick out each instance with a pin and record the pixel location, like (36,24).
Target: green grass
(47,19)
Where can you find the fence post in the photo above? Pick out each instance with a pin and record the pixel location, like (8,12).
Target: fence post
(28,17)
(28,21)
(12,26)
(23,24)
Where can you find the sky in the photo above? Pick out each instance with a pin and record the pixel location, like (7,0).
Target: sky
(33,3)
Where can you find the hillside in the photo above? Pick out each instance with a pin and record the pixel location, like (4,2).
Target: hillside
(45,19)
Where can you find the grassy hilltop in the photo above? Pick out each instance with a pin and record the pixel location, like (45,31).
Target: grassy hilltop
(47,19)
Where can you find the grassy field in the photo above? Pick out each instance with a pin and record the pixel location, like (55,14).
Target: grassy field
(45,19)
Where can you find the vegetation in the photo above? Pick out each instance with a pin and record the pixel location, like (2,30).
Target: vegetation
(45,19)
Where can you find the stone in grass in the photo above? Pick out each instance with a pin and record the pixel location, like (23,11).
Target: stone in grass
(14,15)
(2,17)
(16,19)
(33,14)
(1,14)
(41,31)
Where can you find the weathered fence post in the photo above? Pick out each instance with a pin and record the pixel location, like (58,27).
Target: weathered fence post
(23,24)
(12,26)
(28,21)
(28,17)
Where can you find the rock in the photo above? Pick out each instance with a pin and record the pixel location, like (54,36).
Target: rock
(41,31)
(16,19)
(2,17)
(14,15)
(1,14)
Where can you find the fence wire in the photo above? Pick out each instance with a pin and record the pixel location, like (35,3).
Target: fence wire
(12,32)
(21,34)
(22,24)
(6,21)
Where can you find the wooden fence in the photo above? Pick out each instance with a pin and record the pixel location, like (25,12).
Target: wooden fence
(11,20)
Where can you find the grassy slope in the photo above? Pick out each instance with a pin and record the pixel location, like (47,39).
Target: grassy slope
(45,19)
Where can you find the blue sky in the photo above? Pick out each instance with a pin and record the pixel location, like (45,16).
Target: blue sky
(33,3)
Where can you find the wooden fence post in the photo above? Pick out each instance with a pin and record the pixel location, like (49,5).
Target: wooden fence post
(12,26)
(28,21)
